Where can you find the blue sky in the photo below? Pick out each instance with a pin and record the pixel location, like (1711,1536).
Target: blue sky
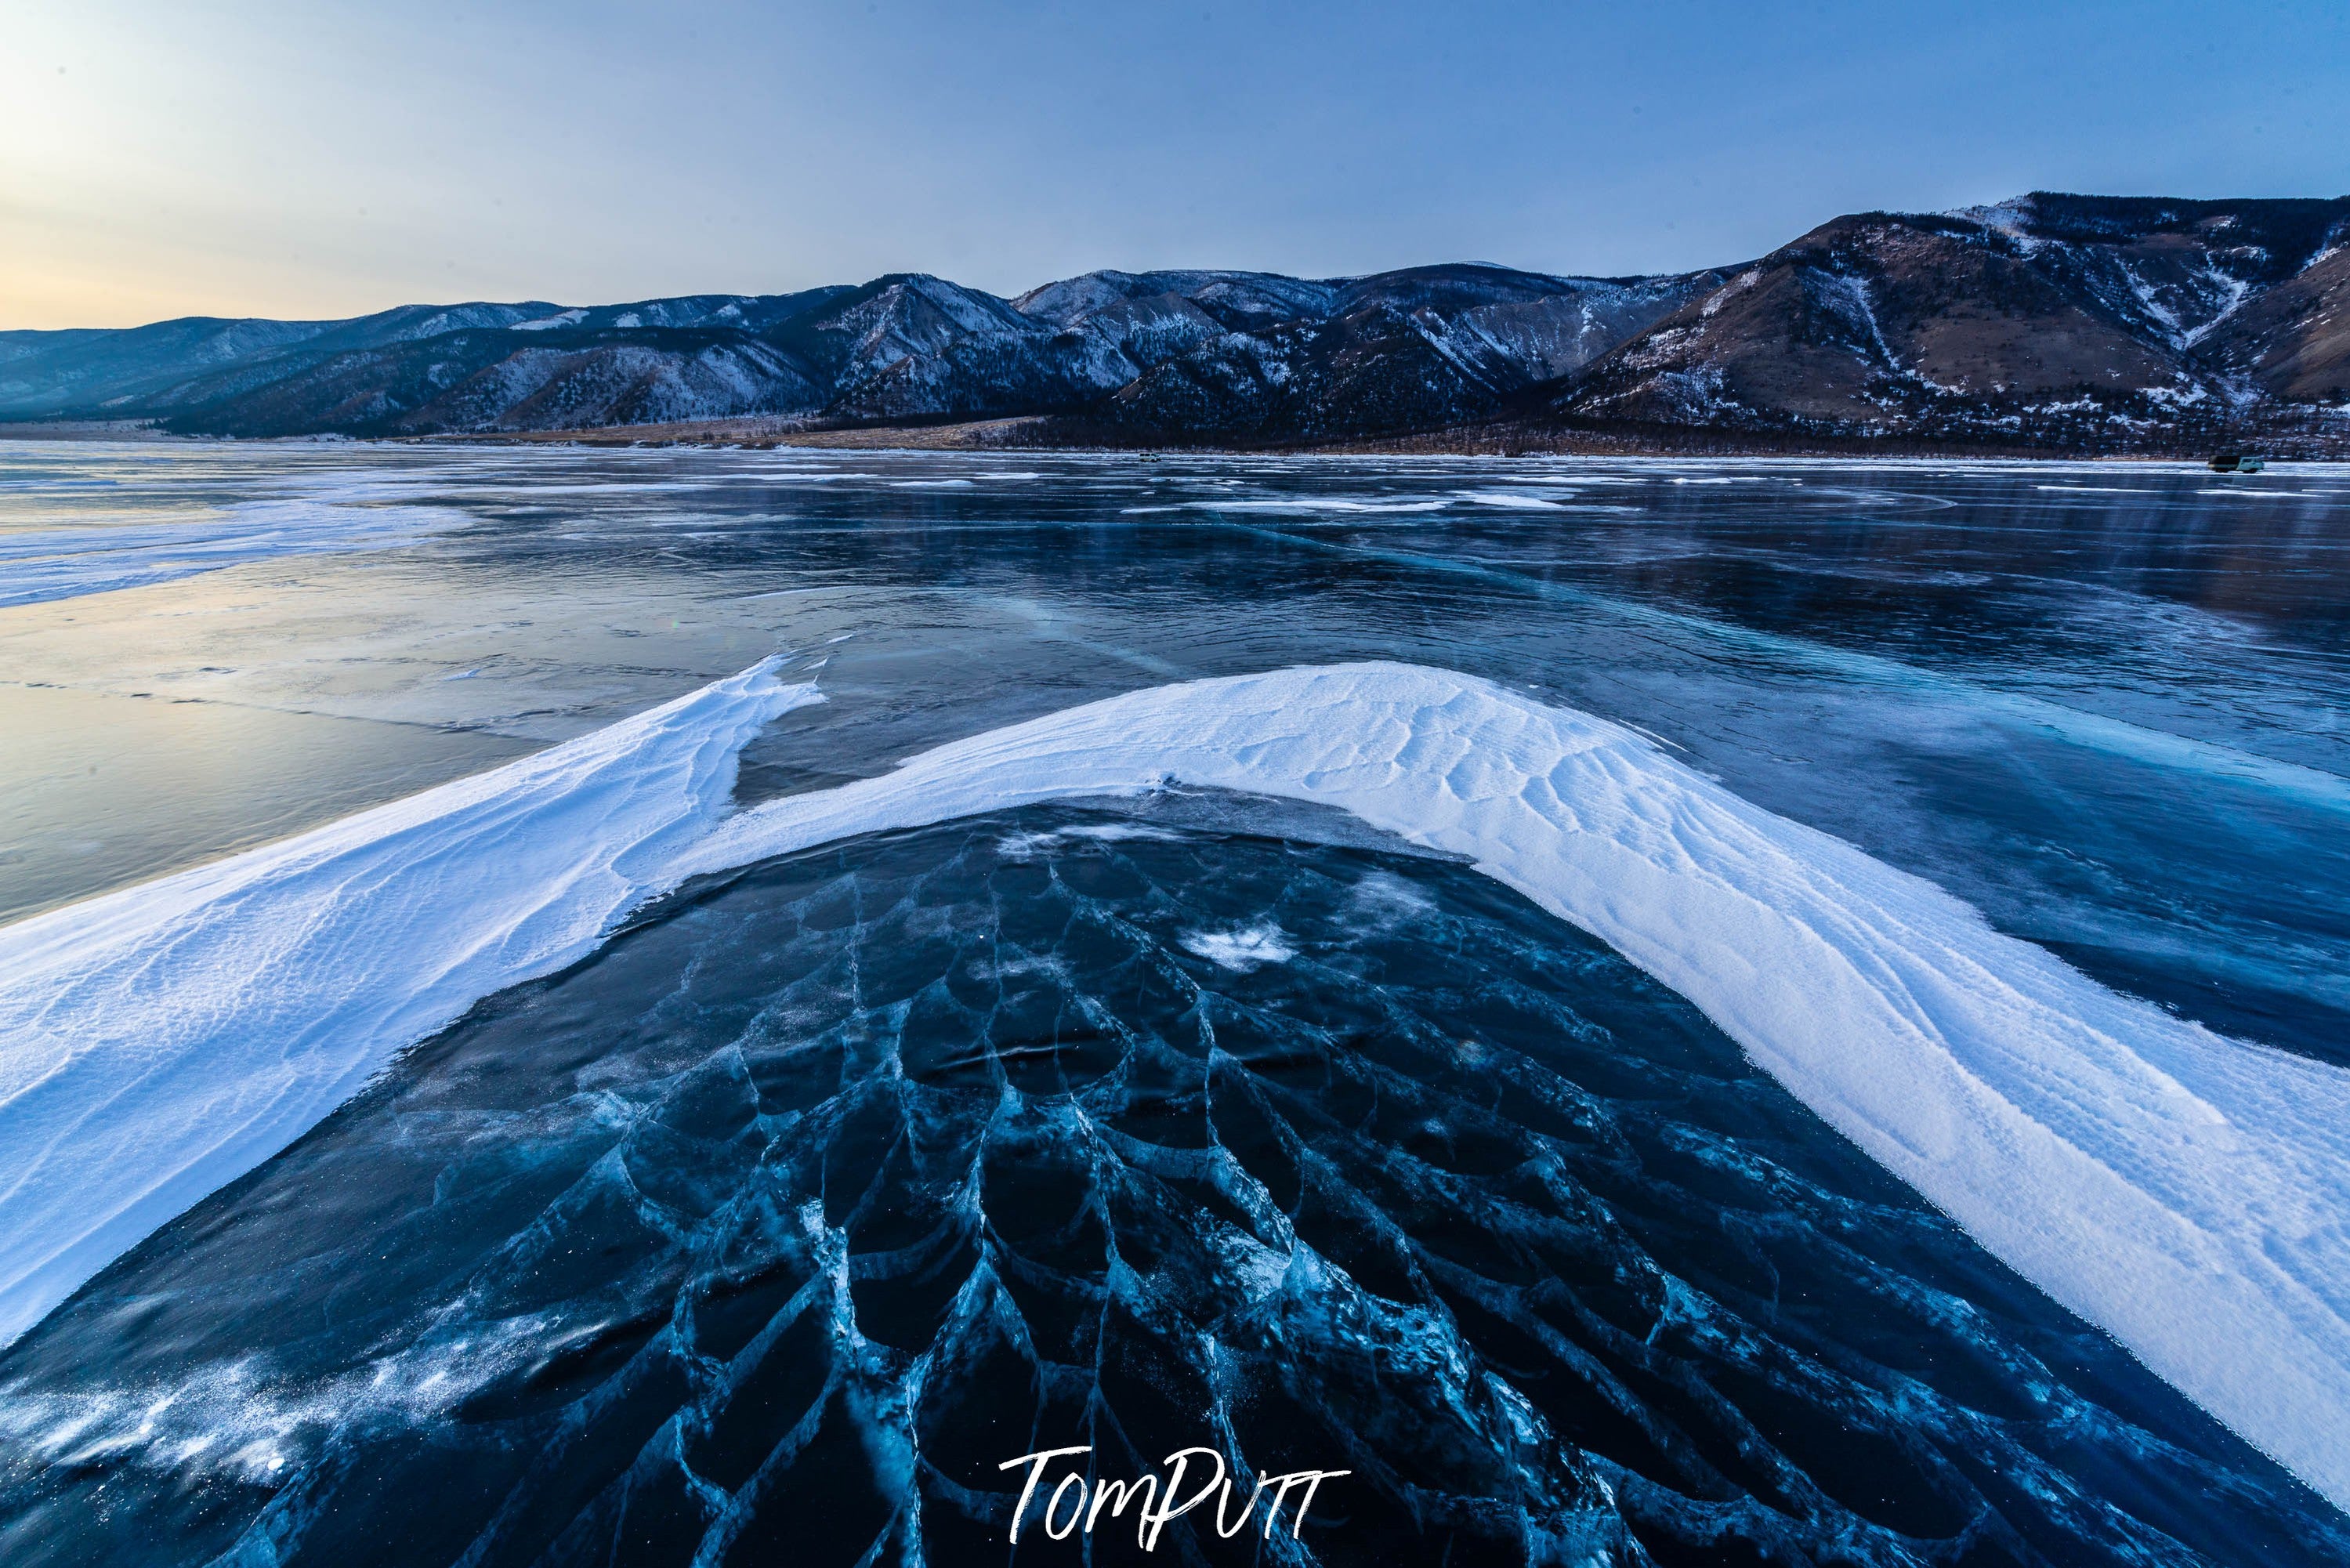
(328,159)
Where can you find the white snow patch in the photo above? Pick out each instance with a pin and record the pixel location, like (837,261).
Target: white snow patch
(161,1041)
(1861,310)
(2009,217)
(1516,501)
(234,1419)
(2232,292)
(2151,303)
(544,323)
(1301,507)
(1123,832)
(1242,949)
(1721,297)
(39,565)
(2187,1192)
(1028,846)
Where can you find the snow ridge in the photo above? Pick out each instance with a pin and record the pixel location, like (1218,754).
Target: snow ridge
(158,1042)
(2187,1192)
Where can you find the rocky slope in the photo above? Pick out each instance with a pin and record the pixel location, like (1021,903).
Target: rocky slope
(2047,322)
(1243,355)
(1404,351)
(2064,321)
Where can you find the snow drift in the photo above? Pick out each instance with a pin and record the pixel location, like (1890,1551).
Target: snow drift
(158,1043)
(2187,1192)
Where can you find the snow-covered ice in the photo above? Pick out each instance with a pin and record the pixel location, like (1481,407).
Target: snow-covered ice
(1242,949)
(2187,1192)
(38,565)
(158,1043)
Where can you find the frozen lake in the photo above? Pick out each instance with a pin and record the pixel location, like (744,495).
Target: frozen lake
(1309,1106)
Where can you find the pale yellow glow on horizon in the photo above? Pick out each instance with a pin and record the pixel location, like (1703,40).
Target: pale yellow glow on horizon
(276,160)
(67,270)
(133,181)
(332,158)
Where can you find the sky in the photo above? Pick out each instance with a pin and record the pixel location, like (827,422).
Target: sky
(329,158)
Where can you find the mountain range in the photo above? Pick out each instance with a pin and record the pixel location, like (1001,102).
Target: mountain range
(2047,323)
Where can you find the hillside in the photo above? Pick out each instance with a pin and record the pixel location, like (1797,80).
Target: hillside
(2065,321)
(2050,322)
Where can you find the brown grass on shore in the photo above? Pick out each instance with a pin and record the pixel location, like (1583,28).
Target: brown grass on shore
(977,435)
(1041,433)
(82,429)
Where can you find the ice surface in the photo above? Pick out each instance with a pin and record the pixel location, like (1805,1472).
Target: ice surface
(66,563)
(2187,1192)
(1512,501)
(766,1235)
(2079,725)
(1314,507)
(158,1042)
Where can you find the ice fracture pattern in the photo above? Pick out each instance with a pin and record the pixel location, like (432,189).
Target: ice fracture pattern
(766,1233)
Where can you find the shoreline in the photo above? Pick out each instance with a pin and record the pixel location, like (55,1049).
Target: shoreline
(1043,433)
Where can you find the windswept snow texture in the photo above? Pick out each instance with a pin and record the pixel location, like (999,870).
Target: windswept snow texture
(2187,1192)
(767,1235)
(162,1041)
(66,563)
(931,1122)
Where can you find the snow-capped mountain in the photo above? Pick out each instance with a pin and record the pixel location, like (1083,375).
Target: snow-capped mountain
(92,372)
(2050,319)
(1250,355)
(2071,321)
(1404,351)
